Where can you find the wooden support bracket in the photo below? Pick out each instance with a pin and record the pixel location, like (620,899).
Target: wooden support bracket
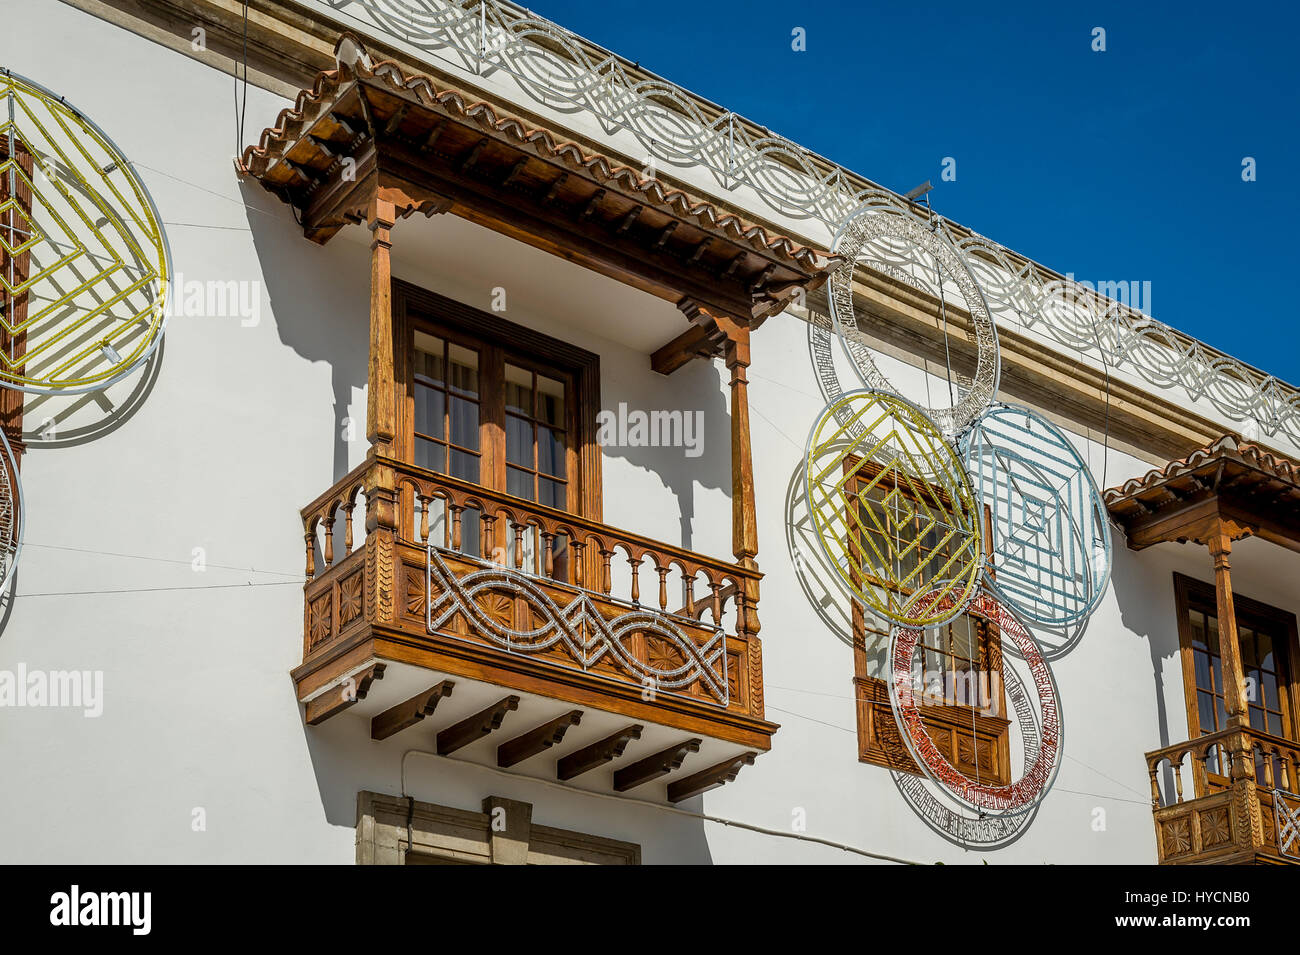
(597,754)
(652,767)
(475,727)
(407,714)
(537,740)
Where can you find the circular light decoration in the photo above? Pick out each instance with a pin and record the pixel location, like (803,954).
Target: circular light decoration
(1042,753)
(892,508)
(11,512)
(972,830)
(895,242)
(84,262)
(1050,548)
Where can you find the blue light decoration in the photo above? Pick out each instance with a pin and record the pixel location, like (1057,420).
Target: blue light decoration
(1050,539)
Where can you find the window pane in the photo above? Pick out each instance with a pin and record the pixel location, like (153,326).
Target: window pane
(1246,643)
(431,456)
(428,358)
(1256,717)
(1201,661)
(1205,710)
(550,451)
(1275,724)
(464,423)
(430,410)
(1212,633)
(1198,628)
(552,493)
(464,466)
(519,483)
(519,390)
(1267,689)
(1265,652)
(519,441)
(550,401)
(1219,713)
(464,370)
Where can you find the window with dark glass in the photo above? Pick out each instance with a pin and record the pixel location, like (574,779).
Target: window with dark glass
(961,659)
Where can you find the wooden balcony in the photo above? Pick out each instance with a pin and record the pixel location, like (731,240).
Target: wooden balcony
(544,641)
(1225,798)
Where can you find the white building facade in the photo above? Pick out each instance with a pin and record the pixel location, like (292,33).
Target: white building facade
(571,408)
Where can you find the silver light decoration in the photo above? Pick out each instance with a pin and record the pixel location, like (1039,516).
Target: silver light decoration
(899,244)
(12,513)
(1051,541)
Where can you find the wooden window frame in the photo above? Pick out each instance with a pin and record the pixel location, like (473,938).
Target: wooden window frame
(416,308)
(879,742)
(1192,594)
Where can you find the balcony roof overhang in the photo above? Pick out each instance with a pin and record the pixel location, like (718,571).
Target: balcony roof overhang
(1230,484)
(364,127)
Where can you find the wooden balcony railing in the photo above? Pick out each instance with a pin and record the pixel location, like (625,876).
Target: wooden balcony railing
(1213,796)
(582,607)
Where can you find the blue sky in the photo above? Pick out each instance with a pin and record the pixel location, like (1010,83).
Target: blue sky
(1121,165)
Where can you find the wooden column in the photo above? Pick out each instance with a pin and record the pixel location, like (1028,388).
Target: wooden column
(744,516)
(1242,771)
(381,405)
(1234,688)
(732,334)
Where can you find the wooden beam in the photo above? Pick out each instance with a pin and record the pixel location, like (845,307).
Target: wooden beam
(381,399)
(710,778)
(408,713)
(475,727)
(337,699)
(693,343)
(537,740)
(652,767)
(597,754)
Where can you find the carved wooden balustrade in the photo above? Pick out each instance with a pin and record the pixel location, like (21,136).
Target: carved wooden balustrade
(1213,797)
(466,580)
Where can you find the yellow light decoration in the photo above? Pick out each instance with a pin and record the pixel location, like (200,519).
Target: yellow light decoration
(893,508)
(84,261)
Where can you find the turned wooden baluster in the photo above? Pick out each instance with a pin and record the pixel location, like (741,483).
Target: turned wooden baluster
(310,538)
(1178,774)
(489,539)
(606,581)
(662,571)
(635,564)
(575,561)
(455,527)
(742,618)
(1288,771)
(347,526)
(689,583)
(1200,774)
(1154,770)
(424,518)
(548,555)
(329,540)
(1268,766)
(519,545)
(717,602)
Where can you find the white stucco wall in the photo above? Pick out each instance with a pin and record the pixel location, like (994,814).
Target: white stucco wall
(232,429)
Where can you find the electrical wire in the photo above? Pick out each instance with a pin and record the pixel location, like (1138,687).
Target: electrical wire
(674,810)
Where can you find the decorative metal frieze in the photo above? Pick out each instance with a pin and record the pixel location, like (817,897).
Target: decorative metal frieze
(896,242)
(86,264)
(1286,819)
(486,601)
(1041,735)
(12,514)
(892,507)
(1050,536)
(673,126)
